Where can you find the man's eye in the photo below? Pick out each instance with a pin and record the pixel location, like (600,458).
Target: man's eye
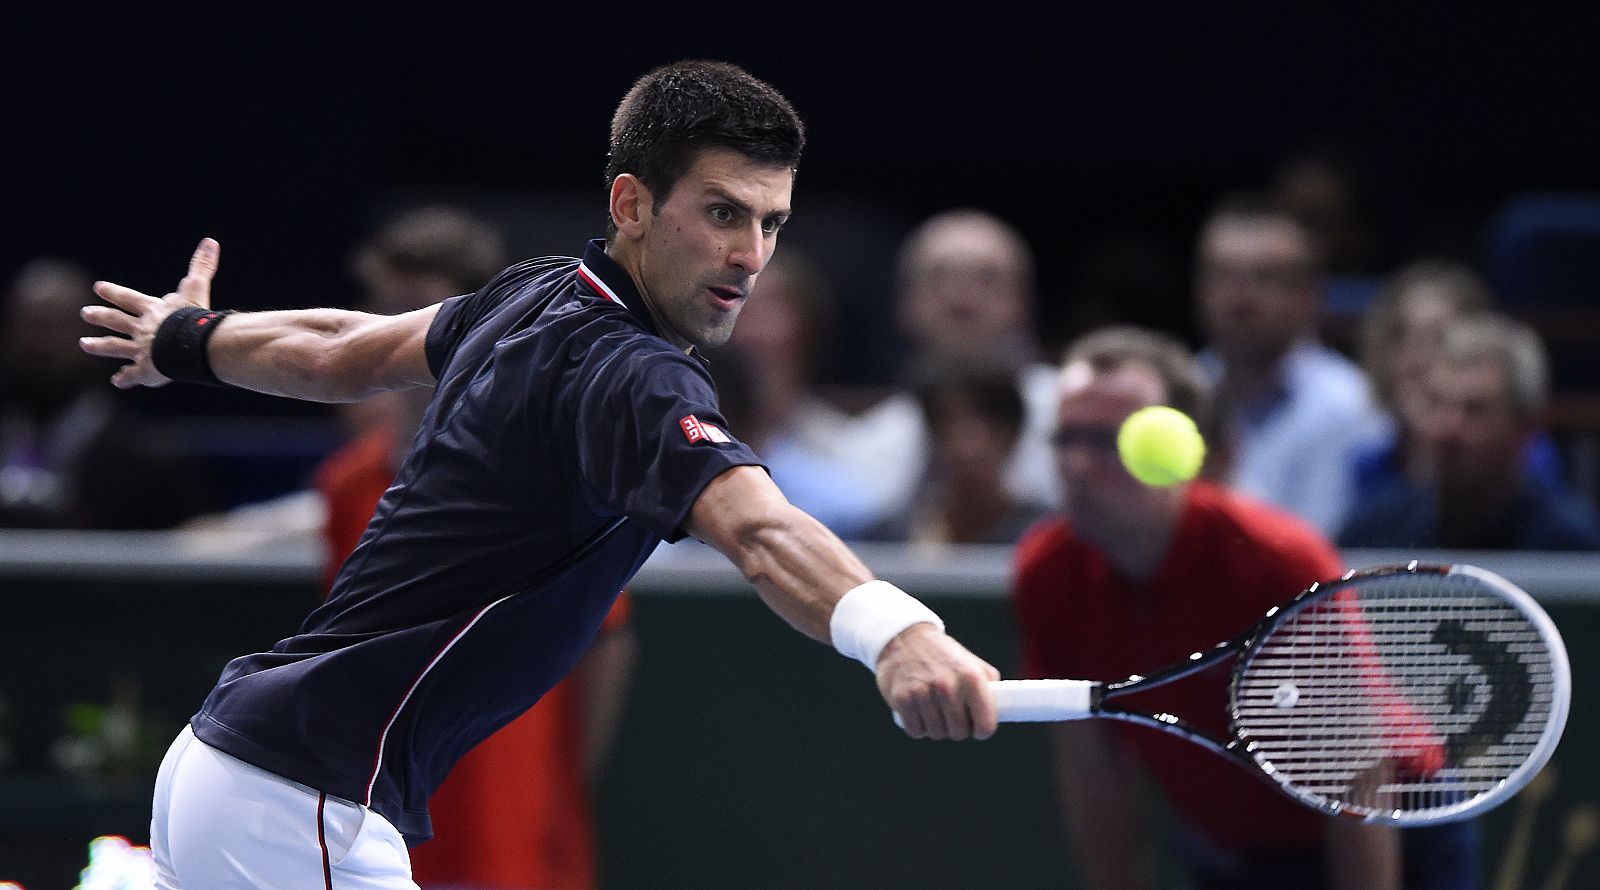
(771,226)
(721,214)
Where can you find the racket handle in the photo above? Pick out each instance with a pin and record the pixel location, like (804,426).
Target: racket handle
(1035,701)
(1038,701)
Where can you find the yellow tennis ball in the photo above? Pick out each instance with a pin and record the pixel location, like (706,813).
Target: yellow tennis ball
(1161,446)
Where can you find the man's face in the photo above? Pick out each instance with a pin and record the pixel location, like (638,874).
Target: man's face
(1420,327)
(1255,285)
(966,295)
(1098,493)
(969,447)
(1469,425)
(703,247)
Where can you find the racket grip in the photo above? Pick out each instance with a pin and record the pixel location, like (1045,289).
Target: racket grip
(1039,701)
(1035,701)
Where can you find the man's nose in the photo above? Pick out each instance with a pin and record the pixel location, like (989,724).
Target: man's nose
(749,249)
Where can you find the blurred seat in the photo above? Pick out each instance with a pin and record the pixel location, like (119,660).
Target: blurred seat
(1543,258)
(1544,251)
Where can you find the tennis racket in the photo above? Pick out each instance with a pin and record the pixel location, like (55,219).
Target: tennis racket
(1406,695)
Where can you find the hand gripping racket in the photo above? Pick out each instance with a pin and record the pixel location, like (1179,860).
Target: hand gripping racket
(1409,695)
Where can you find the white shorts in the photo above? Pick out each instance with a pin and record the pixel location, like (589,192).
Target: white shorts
(221,824)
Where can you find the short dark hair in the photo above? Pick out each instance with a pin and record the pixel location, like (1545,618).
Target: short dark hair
(682,108)
(1109,349)
(943,388)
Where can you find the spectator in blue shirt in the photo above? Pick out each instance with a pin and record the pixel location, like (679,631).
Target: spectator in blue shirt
(1400,336)
(1292,414)
(1481,403)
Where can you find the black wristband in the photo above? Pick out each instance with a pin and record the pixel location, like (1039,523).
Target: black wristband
(179,348)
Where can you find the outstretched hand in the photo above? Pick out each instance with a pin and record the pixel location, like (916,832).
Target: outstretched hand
(939,689)
(135,317)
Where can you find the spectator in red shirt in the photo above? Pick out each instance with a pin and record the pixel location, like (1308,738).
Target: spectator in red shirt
(1131,578)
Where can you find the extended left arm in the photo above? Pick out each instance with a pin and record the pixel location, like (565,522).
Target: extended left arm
(323,355)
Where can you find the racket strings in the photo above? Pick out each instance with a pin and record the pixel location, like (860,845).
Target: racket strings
(1409,693)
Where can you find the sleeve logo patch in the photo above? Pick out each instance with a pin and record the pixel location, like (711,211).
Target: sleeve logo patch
(695,430)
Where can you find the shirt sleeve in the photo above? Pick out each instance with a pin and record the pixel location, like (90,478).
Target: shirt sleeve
(444,334)
(651,437)
(458,315)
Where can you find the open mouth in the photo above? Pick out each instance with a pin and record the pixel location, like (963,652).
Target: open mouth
(726,296)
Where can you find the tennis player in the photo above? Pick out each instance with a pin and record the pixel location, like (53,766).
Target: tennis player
(574,428)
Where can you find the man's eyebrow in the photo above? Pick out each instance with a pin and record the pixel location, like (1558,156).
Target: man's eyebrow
(744,208)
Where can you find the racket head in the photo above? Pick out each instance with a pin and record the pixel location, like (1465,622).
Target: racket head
(1405,695)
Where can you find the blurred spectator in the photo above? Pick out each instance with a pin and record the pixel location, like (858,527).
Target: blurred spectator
(1292,414)
(1481,403)
(1131,578)
(1401,333)
(514,812)
(974,416)
(1400,338)
(427,255)
(766,376)
(70,455)
(419,258)
(965,281)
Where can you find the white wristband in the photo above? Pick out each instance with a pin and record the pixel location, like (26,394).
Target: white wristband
(868,616)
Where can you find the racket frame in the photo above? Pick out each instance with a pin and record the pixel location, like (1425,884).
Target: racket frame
(1242,647)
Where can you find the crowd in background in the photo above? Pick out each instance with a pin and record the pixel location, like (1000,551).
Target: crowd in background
(1387,402)
(1397,407)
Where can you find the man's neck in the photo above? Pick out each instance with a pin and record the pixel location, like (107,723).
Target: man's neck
(971,510)
(1136,553)
(1247,376)
(626,254)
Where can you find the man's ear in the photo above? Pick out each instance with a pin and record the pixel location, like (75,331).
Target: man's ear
(631,206)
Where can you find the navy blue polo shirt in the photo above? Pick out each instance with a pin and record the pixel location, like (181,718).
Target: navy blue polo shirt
(565,441)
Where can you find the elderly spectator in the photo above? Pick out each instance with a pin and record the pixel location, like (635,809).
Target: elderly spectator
(1481,403)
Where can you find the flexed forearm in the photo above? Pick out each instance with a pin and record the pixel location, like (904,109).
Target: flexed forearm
(322,355)
(810,578)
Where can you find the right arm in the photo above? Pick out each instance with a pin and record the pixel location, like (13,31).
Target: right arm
(802,570)
(1095,782)
(323,355)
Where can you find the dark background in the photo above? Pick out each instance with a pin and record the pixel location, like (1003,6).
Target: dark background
(286,132)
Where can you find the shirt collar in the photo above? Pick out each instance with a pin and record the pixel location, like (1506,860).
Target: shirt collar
(600,276)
